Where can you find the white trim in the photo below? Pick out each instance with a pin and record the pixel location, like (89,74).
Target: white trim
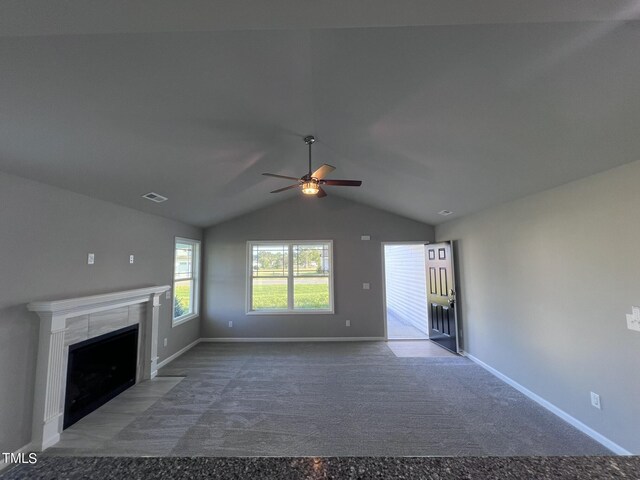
(384,292)
(290,312)
(614,447)
(183,319)
(195,279)
(171,358)
(292,339)
(456,293)
(28,448)
(412,242)
(50,380)
(96,303)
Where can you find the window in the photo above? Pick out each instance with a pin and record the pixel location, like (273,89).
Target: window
(186,273)
(290,277)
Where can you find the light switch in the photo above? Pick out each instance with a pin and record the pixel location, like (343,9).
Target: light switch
(168,295)
(348,323)
(91,259)
(365,286)
(633,320)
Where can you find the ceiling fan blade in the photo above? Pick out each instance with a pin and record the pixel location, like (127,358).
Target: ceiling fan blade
(343,183)
(280,176)
(321,193)
(323,171)
(286,188)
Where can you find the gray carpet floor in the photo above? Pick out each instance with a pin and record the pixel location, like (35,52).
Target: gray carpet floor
(334,399)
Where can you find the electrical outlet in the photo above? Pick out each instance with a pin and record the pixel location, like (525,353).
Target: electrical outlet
(366,286)
(595,400)
(633,320)
(165,342)
(91,259)
(131,258)
(230,324)
(348,323)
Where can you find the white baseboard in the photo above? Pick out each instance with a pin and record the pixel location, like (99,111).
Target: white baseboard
(28,448)
(614,447)
(293,339)
(178,353)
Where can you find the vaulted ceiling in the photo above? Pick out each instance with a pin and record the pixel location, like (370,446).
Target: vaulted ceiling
(434,105)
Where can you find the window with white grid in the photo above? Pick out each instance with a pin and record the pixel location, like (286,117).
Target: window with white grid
(290,277)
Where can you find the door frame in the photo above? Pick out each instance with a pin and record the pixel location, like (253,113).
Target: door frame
(384,282)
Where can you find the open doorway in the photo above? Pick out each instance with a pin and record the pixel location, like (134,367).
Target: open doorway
(405,291)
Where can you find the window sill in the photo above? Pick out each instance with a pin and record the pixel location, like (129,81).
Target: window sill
(290,312)
(181,320)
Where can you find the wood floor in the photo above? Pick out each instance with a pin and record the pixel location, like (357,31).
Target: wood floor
(322,399)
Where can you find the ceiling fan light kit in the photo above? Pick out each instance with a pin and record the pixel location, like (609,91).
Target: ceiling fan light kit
(310,188)
(311,183)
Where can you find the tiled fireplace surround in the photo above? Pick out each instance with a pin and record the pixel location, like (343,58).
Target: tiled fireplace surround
(69,321)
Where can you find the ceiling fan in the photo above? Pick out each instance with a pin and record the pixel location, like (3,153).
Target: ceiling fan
(312,182)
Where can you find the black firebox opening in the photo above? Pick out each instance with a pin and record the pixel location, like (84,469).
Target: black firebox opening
(98,369)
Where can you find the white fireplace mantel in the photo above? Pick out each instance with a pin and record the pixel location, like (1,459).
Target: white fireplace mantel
(48,405)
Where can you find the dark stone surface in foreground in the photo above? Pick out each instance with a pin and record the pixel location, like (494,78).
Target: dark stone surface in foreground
(433,468)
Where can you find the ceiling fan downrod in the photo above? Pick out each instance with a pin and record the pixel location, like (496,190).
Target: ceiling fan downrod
(309,139)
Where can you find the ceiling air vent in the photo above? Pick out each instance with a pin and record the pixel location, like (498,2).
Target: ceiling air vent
(444,213)
(154,197)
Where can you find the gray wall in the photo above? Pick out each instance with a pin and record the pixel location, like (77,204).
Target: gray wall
(546,282)
(301,218)
(45,236)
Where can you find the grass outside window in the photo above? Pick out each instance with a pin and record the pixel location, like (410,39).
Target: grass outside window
(288,277)
(186,277)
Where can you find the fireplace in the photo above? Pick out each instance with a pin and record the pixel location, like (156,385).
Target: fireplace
(98,369)
(68,322)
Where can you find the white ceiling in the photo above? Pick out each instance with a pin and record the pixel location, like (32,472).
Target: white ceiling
(441,114)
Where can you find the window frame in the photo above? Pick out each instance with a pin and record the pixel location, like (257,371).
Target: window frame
(195,278)
(290,278)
